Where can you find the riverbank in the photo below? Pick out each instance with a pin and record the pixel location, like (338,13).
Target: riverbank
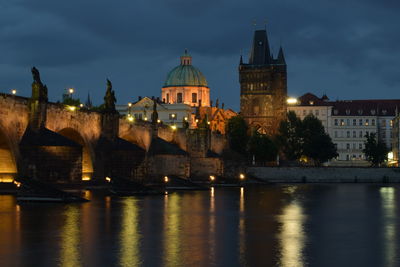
(325,174)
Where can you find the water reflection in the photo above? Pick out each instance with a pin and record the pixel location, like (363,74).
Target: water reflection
(349,225)
(292,235)
(388,201)
(130,236)
(172,224)
(242,228)
(70,243)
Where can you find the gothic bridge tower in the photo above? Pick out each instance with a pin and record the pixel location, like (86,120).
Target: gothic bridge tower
(263,86)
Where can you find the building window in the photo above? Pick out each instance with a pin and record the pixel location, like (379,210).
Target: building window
(360,122)
(354,134)
(361,135)
(354,146)
(348,122)
(347,157)
(360,146)
(354,122)
(341,122)
(194,98)
(179,98)
(347,146)
(336,122)
(373,122)
(168,98)
(391,123)
(348,134)
(336,135)
(366,133)
(383,123)
(366,122)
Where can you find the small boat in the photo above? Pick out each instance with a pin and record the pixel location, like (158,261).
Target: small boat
(30,190)
(174,183)
(124,187)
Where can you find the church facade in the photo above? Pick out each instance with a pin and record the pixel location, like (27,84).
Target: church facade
(263,86)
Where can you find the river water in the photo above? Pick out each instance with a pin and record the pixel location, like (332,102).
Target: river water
(279,225)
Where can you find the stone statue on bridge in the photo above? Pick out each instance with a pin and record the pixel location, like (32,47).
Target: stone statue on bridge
(39,91)
(154,115)
(109,98)
(36,75)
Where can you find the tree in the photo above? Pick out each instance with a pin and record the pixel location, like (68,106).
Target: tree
(236,131)
(262,147)
(290,138)
(317,144)
(375,151)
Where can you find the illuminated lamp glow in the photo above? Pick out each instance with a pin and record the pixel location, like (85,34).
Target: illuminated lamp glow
(145,118)
(173,127)
(166,179)
(390,155)
(81,105)
(158,121)
(18,184)
(130,118)
(13,91)
(242,176)
(291,101)
(71,108)
(108,179)
(212,178)
(129,104)
(71,90)
(86,178)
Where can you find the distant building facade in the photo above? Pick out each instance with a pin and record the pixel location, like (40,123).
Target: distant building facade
(170,114)
(348,121)
(263,86)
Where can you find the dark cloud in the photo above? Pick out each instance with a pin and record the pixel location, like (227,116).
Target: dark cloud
(347,49)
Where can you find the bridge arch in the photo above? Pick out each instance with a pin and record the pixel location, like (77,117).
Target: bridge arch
(8,157)
(87,151)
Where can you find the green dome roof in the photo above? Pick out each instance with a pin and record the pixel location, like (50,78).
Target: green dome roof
(185,74)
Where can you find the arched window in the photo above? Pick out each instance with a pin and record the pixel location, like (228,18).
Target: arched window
(167,98)
(179,98)
(194,97)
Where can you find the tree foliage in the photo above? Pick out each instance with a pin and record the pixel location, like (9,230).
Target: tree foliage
(317,144)
(262,147)
(307,138)
(236,130)
(290,137)
(71,101)
(375,150)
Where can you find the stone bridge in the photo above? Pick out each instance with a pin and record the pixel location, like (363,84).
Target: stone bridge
(59,143)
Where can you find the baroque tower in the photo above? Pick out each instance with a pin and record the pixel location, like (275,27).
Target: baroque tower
(263,86)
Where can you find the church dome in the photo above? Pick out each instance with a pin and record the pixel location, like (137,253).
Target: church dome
(185,74)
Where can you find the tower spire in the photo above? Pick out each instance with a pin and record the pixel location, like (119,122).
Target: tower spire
(281,57)
(260,51)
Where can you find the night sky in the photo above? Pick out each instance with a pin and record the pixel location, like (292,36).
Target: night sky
(348,49)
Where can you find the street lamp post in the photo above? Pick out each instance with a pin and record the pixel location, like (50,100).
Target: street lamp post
(71,91)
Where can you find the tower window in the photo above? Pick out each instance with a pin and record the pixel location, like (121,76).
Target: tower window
(194,97)
(179,98)
(168,98)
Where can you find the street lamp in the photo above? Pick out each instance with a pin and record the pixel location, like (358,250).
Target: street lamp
(71,91)
(14,91)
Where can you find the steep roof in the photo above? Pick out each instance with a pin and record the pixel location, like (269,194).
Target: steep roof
(260,53)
